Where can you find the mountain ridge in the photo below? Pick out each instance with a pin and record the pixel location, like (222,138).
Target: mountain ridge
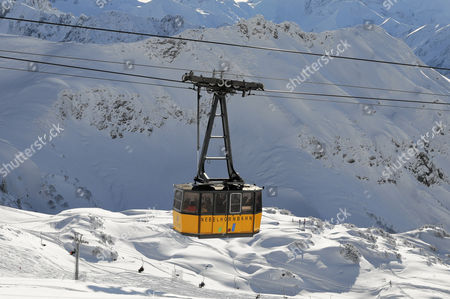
(298,147)
(171,17)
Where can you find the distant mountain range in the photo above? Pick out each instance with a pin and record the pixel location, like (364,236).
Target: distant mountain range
(423,25)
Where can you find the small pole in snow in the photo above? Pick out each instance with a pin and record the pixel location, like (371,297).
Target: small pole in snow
(77,252)
(42,243)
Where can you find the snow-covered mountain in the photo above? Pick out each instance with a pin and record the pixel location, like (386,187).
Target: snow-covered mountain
(124,145)
(42,10)
(291,258)
(423,25)
(73,147)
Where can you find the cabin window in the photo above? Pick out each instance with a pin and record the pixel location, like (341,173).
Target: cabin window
(258,202)
(220,205)
(247,202)
(235,203)
(190,202)
(207,203)
(177,200)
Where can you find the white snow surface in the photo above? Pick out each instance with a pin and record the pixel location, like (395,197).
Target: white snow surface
(288,259)
(124,145)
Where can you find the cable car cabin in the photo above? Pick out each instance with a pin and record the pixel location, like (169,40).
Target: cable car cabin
(217,207)
(216,212)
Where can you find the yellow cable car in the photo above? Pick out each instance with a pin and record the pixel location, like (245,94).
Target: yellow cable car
(217,212)
(225,207)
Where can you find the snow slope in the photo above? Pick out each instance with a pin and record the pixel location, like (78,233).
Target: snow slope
(400,18)
(124,145)
(288,258)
